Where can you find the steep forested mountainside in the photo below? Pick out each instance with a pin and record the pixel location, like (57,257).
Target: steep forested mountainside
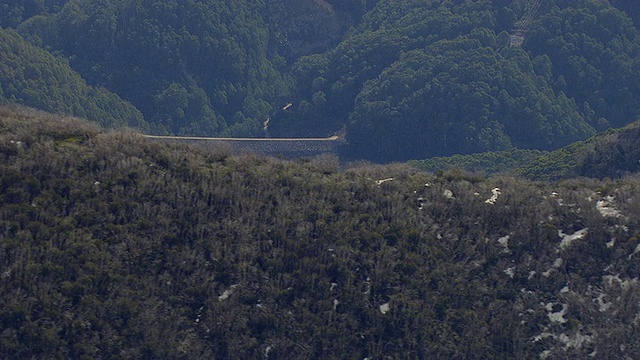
(591,54)
(422,78)
(311,26)
(14,12)
(115,246)
(402,79)
(31,76)
(197,67)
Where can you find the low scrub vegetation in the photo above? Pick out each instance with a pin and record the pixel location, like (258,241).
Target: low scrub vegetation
(114,246)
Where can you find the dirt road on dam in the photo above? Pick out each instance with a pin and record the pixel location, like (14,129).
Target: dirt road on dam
(199,138)
(282,147)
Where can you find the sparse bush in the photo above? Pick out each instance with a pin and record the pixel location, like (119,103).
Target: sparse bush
(114,245)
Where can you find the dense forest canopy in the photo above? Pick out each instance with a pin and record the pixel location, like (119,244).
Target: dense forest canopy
(403,80)
(194,67)
(630,7)
(14,12)
(32,76)
(418,79)
(593,52)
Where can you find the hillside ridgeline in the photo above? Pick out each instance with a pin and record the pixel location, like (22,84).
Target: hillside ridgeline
(112,245)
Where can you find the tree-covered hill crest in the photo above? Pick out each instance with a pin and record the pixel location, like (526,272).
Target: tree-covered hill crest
(113,245)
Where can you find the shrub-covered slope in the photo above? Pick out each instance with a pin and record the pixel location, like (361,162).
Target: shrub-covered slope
(115,246)
(612,154)
(487,163)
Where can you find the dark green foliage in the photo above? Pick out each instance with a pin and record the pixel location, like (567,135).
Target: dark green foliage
(192,67)
(449,99)
(488,163)
(385,32)
(113,246)
(310,26)
(594,50)
(417,79)
(422,79)
(630,7)
(32,76)
(612,154)
(14,12)
(400,79)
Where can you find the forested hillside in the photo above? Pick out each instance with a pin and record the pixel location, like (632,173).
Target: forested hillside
(402,79)
(32,76)
(14,12)
(198,67)
(423,78)
(114,246)
(613,154)
(629,7)
(193,67)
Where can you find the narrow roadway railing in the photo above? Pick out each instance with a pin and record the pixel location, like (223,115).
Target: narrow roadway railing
(167,137)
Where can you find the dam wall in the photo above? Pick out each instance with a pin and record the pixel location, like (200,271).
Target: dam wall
(286,148)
